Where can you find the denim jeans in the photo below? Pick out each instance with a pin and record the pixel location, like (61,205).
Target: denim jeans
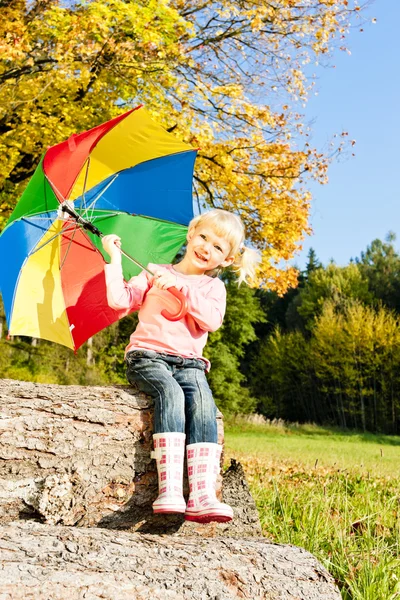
(183,400)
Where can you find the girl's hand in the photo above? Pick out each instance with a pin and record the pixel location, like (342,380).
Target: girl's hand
(164,279)
(112,244)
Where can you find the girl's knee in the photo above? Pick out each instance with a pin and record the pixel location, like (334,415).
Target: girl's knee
(203,404)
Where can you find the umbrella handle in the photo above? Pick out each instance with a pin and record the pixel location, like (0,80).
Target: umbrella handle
(183,308)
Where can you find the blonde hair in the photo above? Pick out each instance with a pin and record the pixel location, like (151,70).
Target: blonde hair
(230,227)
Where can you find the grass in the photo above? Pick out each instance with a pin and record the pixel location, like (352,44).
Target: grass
(336,494)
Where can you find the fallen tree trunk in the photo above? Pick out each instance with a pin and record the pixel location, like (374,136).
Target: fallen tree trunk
(42,562)
(76,455)
(73,455)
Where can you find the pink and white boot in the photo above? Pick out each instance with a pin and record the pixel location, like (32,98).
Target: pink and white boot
(203,462)
(169,452)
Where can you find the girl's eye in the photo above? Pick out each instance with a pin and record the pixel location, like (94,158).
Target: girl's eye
(218,248)
(202,236)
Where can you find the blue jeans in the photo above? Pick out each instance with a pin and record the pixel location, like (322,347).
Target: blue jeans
(183,401)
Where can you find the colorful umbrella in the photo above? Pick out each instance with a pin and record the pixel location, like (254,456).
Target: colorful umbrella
(127,176)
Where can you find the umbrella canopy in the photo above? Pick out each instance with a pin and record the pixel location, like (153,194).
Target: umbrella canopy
(129,177)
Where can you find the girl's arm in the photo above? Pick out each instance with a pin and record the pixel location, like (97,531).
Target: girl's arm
(208,310)
(122,295)
(125,295)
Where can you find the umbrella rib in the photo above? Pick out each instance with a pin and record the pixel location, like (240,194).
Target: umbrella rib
(91,206)
(84,184)
(53,185)
(85,211)
(107,215)
(53,237)
(69,245)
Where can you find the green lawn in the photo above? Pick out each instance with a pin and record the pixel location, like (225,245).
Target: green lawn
(336,494)
(312,446)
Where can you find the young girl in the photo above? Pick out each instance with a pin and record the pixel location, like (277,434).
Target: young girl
(164,358)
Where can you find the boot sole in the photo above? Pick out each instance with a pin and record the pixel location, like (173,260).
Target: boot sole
(209,518)
(169,510)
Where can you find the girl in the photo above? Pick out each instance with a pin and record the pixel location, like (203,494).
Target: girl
(164,358)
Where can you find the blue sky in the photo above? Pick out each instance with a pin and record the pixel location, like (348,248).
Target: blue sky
(360,95)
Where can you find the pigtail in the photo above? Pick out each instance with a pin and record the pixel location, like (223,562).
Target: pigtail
(245,264)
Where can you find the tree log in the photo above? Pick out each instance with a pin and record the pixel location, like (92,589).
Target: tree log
(44,562)
(74,455)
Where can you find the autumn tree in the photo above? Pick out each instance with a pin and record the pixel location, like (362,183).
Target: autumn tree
(224,76)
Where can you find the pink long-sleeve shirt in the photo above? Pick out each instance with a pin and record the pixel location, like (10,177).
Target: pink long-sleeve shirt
(206,297)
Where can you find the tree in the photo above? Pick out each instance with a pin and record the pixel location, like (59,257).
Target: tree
(380,266)
(203,69)
(346,372)
(356,362)
(341,339)
(67,68)
(281,378)
(312,262)
(292,318)
(226,348)
(338,284)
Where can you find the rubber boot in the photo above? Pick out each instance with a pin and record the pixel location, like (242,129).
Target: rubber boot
(203,462)
(169,452)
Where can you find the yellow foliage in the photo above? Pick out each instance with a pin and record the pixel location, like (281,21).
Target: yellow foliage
(207,69)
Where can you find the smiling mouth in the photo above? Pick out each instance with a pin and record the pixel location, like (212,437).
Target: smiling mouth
(200,257)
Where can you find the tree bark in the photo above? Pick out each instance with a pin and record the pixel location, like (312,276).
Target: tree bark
(44,562)
(76,455)
(72,454)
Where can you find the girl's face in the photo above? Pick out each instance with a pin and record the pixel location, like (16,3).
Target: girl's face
(206,250)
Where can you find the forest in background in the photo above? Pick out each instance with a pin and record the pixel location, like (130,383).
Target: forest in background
(327,351)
